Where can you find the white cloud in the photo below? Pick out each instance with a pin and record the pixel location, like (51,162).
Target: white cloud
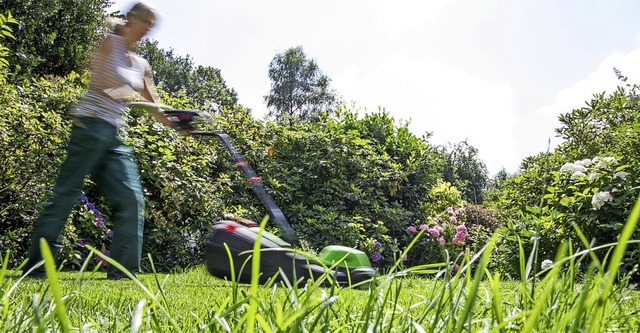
(397,17)
(453,104)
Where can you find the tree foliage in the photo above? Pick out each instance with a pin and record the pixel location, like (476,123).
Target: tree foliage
(466,171)
(5,32)
(54,37)
(299,89)
(178,75)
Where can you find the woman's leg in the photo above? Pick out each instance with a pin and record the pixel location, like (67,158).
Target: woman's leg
(85,149)
(119,181)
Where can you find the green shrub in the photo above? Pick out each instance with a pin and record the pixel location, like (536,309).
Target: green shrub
(482,223)
(355,181)
(587,202)
(33,133)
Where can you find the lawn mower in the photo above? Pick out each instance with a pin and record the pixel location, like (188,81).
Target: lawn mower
(229,246)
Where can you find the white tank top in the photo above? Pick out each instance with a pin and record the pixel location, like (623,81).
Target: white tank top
(118,70)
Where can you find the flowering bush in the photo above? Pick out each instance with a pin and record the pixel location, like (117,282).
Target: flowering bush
(593,193)
(90,229)
(383,249)
(440,234)
(596,195)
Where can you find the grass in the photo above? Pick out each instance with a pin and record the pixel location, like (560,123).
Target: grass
(419,299)
(196,302)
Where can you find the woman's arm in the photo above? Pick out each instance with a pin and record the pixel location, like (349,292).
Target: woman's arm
(149,94)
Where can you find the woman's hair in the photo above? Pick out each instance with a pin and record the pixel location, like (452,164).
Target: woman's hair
(141,9)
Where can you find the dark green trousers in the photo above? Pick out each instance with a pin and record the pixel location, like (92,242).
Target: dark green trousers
(95,149)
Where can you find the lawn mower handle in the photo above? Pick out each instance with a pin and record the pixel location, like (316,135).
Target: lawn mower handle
(243,166)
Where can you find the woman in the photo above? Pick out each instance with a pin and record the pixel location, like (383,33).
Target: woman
(96,149)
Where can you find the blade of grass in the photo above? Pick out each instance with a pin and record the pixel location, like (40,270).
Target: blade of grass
(614,265)
(255,276)
(136,323)
(471,297)
(153,297)
(52,277)
(541,300)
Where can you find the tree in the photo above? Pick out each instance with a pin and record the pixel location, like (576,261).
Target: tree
(495,187)
(54,37)
(177,75)
(466,171)
(299,89)
(5,32)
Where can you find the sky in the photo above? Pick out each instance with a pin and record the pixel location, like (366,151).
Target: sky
(495,73)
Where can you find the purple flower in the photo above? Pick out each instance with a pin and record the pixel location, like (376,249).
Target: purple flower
(434,232)
(411,228)
(100,223)
(377,244)
(82,242)
(441,241)
(91,207)
(461,229)
(424,227)
(376,256)
(102,261)
(110,233)
(457,239)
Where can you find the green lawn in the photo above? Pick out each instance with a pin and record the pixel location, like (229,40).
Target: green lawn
(194,301)
(418,299)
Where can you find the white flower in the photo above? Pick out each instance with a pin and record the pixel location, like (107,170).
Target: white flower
(621,174)
(594,175)
(546,264)
(566,167)
(577,174)
(585,163)
(599,199)
(605,162)
(571,167)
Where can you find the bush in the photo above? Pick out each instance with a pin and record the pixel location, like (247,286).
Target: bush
(33,133)
(586,203)
(482,223)
(348,180)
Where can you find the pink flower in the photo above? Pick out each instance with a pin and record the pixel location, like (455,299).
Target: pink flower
(457,239)
(450,211)
(441,241)
(453,219)
(424,227)
(411,228)
(434,232)
(462,229)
